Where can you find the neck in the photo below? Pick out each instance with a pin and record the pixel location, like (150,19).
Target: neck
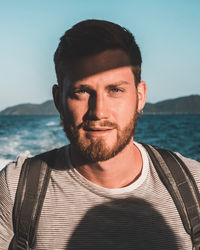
(119,171)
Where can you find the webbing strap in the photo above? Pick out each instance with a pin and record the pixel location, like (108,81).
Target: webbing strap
(188,190)
(32,186)
(45,173)
(183,189)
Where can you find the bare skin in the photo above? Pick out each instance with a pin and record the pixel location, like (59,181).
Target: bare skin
(106,95)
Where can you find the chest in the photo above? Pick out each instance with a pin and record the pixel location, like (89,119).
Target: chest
(73,217)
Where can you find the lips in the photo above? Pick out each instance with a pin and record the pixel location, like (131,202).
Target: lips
(98,126)
(98,129)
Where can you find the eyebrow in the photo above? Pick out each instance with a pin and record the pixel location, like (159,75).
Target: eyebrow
(119,83)
(86,86)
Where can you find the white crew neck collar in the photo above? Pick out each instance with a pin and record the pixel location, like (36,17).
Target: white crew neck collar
(111,191)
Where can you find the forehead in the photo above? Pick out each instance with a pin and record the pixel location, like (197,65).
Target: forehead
(97,64)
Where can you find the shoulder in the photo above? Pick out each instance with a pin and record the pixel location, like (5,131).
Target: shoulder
(56,158)
(193,166)
(9,175)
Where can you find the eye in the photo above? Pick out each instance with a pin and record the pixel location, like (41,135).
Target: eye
(80,91)
(115,90)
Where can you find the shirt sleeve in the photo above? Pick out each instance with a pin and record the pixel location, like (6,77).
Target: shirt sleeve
(6,206)
(9,177)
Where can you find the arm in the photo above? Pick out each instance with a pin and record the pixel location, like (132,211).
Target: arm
(9,177)
(6,205)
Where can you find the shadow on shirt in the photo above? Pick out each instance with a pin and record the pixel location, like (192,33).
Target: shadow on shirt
(123,224)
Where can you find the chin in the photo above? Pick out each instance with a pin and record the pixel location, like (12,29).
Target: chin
(97,148)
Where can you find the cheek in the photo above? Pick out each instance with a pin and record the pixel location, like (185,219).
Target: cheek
(125,109)
(75,111)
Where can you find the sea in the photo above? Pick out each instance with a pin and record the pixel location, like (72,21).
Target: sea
(32,135)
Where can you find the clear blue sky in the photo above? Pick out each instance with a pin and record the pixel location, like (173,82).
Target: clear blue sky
(168,33)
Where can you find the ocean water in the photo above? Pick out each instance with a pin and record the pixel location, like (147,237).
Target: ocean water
(36,134)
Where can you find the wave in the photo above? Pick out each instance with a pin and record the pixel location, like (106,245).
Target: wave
(4,162)
(51,124)
(180,133)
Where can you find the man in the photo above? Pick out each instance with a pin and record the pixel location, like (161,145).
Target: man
(104,192)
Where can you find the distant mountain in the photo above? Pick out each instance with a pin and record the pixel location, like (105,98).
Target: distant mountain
(46,108)
(182,105)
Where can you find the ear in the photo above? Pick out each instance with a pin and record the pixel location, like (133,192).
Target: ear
(57,98)
(141,92)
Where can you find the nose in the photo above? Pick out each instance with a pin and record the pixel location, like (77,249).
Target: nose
(97,107)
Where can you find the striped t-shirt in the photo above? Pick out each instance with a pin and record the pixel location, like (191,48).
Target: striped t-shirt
(78,214)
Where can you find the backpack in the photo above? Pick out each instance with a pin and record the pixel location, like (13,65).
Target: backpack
(34,179)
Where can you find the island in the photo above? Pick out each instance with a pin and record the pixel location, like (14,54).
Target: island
(182,105)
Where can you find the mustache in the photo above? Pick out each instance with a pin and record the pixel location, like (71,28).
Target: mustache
(88,124)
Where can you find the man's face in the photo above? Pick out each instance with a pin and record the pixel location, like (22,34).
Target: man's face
(99,105)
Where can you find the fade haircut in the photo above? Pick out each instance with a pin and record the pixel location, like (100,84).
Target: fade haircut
(90,37)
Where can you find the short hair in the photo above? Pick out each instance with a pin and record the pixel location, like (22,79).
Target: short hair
(94,36)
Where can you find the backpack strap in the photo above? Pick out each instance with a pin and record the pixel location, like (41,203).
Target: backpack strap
(30,194)
(182,187)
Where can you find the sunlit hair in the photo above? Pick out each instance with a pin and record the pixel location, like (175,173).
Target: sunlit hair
(90,37)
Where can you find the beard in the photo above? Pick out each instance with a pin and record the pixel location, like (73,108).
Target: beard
(96,149)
